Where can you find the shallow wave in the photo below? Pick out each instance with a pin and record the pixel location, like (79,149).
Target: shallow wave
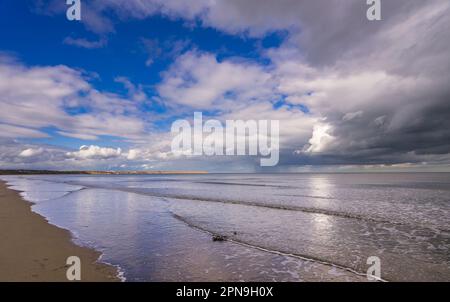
(406,254)
(63,195)
(312,268)
(243,184)
(279,252)
(312,210)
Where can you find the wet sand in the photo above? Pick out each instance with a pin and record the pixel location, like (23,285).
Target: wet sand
(31,249)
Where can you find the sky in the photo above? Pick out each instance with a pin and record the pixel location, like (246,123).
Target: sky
(102,93)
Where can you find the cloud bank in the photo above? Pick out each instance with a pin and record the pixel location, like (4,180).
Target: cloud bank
(347,92)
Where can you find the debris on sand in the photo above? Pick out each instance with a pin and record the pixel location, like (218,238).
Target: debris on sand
(219,238)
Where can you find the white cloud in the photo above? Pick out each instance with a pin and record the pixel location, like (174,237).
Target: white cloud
(95,152)
(320,138)
(32,98)
(198,80)
(84,43)
(352,115)
(379,121)
(255,17)
(31,152)
(78,135)
(17,131)
(135,92)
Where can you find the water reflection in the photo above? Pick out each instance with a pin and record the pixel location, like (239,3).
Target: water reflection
(138,231)
(320,187)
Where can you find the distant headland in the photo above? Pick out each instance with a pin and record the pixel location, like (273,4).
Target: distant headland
(36,172)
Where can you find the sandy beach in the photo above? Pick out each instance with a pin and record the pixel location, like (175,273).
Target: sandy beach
(31,249)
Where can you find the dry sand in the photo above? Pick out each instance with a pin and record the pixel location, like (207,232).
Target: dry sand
(31,249)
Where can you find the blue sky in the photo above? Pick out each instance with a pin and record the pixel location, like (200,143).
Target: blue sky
(101,93)
(37,39)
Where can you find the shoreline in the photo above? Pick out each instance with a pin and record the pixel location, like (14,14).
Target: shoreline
(33,250)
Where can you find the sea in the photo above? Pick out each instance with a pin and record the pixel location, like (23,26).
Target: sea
(275,227)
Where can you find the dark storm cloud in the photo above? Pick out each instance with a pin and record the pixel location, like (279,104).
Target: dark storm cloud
(402,67)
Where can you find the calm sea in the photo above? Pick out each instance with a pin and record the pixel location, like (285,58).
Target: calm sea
(280,227)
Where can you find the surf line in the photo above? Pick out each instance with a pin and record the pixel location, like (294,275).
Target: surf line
(275,251)
(250,204)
